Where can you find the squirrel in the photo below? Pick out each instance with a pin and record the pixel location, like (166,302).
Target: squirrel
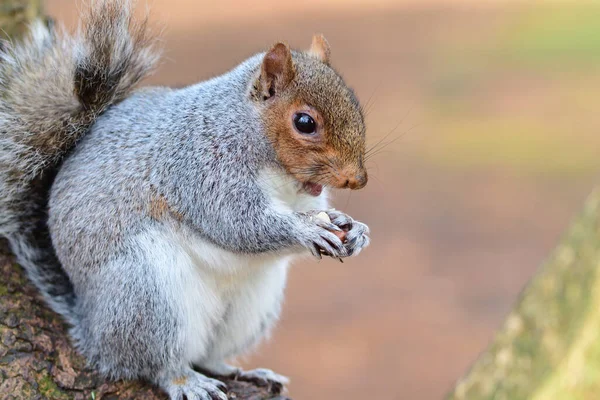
(160,222)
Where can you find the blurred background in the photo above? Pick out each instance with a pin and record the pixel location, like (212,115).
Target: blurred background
(488,113)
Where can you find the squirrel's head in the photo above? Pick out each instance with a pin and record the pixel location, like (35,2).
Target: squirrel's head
(312,117)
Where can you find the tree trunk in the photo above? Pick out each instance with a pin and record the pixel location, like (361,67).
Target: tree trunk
(36,359)
(549,346)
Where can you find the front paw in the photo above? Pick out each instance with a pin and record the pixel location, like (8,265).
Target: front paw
(322,237)
(356,235)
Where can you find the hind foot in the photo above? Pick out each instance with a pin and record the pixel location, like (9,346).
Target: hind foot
(274,382)
(263,377)
(192,385)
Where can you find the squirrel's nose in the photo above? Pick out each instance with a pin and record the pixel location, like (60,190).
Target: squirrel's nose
(358,181)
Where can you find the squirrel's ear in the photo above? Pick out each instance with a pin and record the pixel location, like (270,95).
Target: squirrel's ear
(320,49)
(277,70)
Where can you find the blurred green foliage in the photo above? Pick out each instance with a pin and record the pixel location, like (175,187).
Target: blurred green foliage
(524,146)
(566,34)
(521,95)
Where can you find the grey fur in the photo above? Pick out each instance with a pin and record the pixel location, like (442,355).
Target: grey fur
(134,166)
(53,86)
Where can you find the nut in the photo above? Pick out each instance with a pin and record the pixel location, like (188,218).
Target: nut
(323,216)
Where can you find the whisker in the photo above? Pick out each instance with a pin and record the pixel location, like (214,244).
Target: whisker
(382,145)
(348,199)
(265,180)
(368,105)
(408,112)
(376,166)
(380,182)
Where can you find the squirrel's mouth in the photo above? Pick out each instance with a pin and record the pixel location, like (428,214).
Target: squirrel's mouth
(314,189)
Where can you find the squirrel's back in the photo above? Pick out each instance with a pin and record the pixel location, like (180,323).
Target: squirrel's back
(53,86)
(105,176)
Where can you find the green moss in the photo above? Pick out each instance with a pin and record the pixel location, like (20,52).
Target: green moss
(49,389)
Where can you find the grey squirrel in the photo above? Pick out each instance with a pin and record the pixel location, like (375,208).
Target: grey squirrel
(160,222)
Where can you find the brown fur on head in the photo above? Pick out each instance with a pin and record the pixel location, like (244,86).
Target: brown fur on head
(292,83)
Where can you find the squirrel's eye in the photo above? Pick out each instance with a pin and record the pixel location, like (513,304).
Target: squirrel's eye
(304,123)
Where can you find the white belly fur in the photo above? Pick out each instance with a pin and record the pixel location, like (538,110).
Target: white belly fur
(227,301)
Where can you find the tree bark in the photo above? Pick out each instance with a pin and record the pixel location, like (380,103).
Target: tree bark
(549,346)
(36,358)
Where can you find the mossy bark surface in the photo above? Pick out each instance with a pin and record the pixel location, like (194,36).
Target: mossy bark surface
(549,346)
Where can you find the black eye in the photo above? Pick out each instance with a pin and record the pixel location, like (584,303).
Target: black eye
(305,123)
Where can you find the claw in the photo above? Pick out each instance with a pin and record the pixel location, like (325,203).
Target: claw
(316,252)
(276,388)
(329,226)
(193,385)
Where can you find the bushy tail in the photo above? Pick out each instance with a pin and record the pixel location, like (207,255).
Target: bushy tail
(53,86)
